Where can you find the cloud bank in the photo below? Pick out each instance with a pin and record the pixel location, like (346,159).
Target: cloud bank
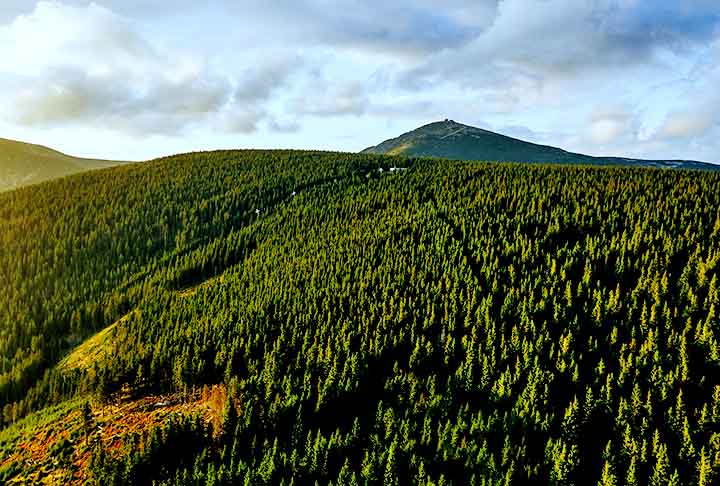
(611,77)
(88,65)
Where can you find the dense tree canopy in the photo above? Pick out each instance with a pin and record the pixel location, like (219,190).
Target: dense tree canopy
(452,323)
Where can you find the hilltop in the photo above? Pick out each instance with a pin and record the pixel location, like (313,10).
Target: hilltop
(452,140)
(23,164)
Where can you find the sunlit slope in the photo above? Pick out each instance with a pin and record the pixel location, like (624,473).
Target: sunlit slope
(22,164)
(451,140)
(361,319)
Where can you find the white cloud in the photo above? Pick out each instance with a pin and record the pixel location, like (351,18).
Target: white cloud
(86,64)
(90,38)
(404,27)
(327,100)
(286,72)
(241,121)
(283,126)
(606,130)
(686,124)
(610,124)
(691,105)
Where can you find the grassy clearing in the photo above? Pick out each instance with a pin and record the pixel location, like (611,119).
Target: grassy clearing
(90,350)
(400,149)
(53,447)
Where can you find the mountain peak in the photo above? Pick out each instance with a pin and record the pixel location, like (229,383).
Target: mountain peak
(449,139)
(446,123)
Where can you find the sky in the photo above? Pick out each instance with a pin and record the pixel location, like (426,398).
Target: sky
(137,79)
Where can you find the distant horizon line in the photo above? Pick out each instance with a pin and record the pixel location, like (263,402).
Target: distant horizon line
(440,121)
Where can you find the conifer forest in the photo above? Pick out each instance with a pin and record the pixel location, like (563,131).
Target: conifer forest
(301,318)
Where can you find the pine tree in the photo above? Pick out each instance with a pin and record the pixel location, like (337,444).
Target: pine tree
(229,418)
(660,472)
(631,476)
(704,469)
(608,477)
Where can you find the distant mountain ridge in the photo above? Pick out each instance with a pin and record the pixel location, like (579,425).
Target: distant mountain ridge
(452,140)
(23,164)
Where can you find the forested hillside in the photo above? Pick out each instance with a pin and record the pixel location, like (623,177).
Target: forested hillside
(282,317)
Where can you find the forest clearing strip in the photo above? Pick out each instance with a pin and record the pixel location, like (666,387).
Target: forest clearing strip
(92,348)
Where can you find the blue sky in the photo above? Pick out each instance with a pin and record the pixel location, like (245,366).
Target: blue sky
(132,79)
